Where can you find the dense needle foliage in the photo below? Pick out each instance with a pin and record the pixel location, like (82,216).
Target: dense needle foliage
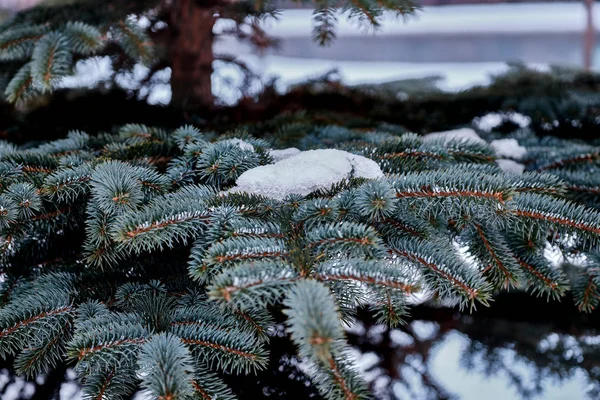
(125,256)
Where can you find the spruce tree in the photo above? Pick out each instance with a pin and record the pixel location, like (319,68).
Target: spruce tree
(40,46)
(125,255)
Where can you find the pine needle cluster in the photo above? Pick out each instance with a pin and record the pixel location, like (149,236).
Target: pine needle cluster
(125,256)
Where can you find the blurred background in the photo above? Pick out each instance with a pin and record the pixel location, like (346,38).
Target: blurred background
(460,41)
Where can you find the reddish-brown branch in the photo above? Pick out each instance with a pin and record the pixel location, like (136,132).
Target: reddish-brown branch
(365,241)
(508,275)
(150,185)
(105,386)
(55,188)
(142,46)
(40,352)
(221,347)
(36,169)
(250,320)
(558,220)
(366,12)
(23,87)
(50,214)
(584,158)
(537,190)
(584,189)
(35,318)
(201,391)
(413,153)
(19,40)
(158,225)
(339,379)
(590,288)
(226,291)
(48,74)
(451,193)
(199,323)
(249,256)
(472,293)
(551,284)
(116,343)
(401,226)
(258,235)
(471,155)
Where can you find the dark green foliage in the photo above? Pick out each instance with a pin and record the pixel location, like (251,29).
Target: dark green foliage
(125,255)
(560,102)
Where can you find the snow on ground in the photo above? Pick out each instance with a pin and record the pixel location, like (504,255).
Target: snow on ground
(227,79)
(458,19)
(292,70)
(306,172)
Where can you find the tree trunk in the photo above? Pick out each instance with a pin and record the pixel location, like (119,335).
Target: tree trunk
(191,55)
(589,36)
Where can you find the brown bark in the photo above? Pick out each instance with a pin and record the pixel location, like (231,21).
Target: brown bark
(589,36)
(191,55)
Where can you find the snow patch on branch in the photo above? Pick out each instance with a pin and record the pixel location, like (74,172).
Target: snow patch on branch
(490,121)
(240,143)
(279,155)
(306,172)
(446,136)
(510,166)
(508,148)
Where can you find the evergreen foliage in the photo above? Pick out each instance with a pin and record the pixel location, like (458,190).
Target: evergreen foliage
(41,45)
(560,102)
(125,256)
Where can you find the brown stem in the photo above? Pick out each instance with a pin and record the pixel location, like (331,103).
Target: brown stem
(191,54)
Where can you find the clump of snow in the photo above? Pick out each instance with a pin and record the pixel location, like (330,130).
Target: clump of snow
(282,154)
(492,120)
(505,148)
(242,145)
(508,148)
(306,172)
(400,338)
(510,166)
(463,133)
(425,330)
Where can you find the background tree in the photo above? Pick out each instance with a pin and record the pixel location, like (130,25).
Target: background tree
(39,46)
